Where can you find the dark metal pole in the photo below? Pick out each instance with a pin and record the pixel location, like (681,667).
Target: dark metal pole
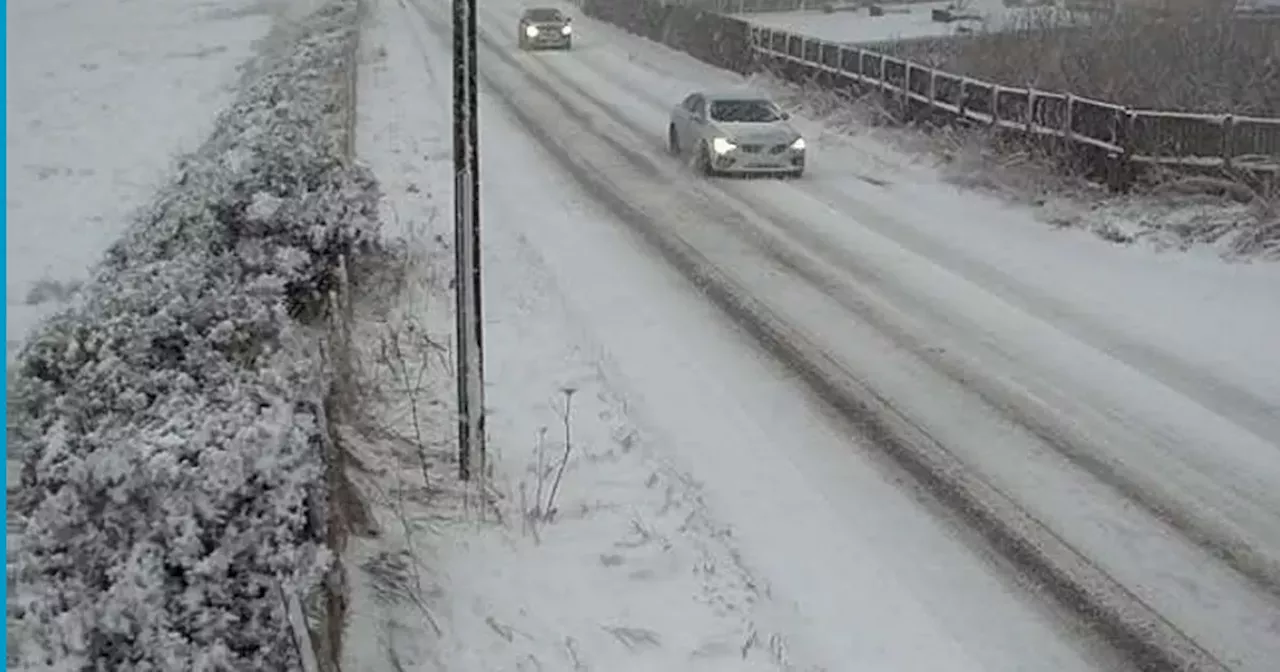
(466,200)
(459,166)
(475,397)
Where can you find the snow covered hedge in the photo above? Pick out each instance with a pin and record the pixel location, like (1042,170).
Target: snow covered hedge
(170,425)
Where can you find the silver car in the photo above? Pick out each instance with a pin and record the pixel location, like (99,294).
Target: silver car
(736,133)
(545,27)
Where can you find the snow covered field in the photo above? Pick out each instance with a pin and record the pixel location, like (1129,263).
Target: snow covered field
(900,22)
(714,512)
(101,96)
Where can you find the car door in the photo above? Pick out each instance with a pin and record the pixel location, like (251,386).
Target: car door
(688,113)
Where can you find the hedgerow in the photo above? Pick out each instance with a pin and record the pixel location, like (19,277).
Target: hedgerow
(170,425)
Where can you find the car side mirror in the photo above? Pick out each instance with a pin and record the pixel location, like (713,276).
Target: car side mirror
(786,116)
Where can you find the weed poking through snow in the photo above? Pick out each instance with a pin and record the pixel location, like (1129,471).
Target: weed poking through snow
(567,419)
(541,511)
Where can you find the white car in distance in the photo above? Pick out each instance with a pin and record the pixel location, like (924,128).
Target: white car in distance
(735,133)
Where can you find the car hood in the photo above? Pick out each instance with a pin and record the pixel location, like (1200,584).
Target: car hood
(756,133)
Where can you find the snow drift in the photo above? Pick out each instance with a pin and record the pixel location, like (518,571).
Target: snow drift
(170,425)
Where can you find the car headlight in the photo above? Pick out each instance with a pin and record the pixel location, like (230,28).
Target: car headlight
(566,30)
(798,145)
(531,31)
(722,146)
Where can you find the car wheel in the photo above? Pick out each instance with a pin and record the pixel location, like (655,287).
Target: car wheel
(796,174)
(568,45)
(673,141)
(704,162)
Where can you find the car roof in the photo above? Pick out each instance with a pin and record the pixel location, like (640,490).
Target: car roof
(542,10)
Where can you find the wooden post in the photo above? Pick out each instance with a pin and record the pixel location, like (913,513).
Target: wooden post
(995,105)
(907,100)
(1068,119)
(1228,140)
(1031,111)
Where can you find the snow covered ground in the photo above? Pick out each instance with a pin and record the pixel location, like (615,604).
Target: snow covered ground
(713,514)
(666,492)
(101,96)
(900,22)
(641,568)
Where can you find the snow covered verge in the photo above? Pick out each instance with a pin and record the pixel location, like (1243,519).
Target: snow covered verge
(1165,211)
(588,549)
(583,550)
(170,424)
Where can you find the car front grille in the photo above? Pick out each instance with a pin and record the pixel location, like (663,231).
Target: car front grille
(778,149)
(752,149)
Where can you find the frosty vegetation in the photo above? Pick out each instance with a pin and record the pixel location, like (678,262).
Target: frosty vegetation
(1185,56)
(1191,56)
(1164,210)
(170,425)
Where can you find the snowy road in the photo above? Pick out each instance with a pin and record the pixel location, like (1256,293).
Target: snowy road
(1124,461)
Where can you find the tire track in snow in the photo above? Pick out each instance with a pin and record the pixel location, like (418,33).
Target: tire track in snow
(1238,404)
(1158,492)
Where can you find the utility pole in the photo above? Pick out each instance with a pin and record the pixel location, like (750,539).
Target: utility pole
(466,211)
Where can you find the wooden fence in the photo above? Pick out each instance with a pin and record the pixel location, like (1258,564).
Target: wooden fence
(1120,140)
(1175,139)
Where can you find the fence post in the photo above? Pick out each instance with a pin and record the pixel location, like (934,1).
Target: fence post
(1068,120)
(301,633)
(905,95)
(995,105)
(1031,111)
(962,102)
(1127,139)
(880,76)
(1228,140)
(1121,174)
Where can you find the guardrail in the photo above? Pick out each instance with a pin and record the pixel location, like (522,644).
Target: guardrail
(1177,139)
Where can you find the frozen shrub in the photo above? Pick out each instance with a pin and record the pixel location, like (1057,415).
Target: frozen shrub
(1189,56)
(170,425)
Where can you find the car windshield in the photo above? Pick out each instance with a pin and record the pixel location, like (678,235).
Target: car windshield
(544,15)
(744,111)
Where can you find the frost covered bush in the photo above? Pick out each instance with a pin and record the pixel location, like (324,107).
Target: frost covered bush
(170,425)
(275,162)
(1190,56)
